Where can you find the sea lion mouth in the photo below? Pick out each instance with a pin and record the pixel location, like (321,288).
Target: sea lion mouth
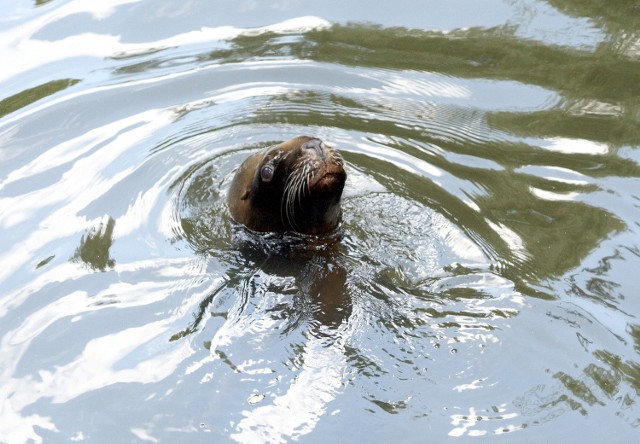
(330,177)
(311,193)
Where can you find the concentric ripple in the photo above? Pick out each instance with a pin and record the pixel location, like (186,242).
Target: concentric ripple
(476,286)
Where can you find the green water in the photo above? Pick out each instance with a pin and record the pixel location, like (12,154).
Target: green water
(483,286)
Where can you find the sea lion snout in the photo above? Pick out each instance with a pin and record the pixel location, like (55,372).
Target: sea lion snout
(318,147)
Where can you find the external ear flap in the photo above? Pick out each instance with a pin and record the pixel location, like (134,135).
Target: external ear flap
(245,195)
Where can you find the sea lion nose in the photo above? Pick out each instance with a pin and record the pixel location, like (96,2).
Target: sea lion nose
(317,146)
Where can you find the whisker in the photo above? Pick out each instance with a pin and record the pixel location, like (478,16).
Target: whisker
(297,187)
(289,198)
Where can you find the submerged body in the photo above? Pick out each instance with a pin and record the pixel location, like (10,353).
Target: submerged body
(293,186)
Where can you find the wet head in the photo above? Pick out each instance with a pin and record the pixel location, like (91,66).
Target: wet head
(293,186)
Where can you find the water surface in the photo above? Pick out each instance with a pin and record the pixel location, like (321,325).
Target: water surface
(481,288)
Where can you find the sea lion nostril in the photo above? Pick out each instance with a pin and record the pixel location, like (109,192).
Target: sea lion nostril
(313,144)
(317,146)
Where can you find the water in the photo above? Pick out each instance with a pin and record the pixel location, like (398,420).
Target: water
(482,286)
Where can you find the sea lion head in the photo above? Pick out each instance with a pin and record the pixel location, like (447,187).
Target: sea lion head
(293,186)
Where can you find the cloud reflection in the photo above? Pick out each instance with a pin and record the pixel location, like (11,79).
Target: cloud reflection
(29,53)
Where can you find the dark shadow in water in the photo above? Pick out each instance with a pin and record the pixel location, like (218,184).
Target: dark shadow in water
(620,18)
(316,282)
(31,95)
(499,54)
(309,271)
(609,379)
(94,247)
(495,53)
(44,262)
(319,277)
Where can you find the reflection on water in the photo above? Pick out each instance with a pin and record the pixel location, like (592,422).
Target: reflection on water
(94,247)
(482,280)
(31,95)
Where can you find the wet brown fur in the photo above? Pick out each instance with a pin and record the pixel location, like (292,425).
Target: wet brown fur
(303,194)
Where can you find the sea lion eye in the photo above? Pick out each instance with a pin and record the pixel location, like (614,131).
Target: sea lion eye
(266,173)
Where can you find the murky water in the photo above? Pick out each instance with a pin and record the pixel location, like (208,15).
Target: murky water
(482,286)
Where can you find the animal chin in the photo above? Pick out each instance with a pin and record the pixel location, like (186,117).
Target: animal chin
(331,176)
(327,181)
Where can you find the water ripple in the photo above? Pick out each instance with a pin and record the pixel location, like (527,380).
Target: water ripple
(476,286)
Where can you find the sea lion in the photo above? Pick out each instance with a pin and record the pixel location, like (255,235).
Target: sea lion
(293,186)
